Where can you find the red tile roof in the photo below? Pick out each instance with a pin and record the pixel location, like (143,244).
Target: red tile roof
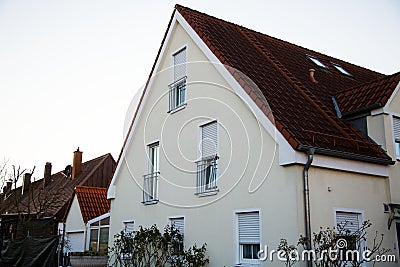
(367,96)
(92,201)
(303,111)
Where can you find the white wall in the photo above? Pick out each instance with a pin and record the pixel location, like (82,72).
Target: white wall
(75,227)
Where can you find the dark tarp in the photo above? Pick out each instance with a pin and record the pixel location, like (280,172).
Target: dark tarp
(29,252)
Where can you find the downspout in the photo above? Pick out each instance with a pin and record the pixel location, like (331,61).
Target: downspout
(307,220)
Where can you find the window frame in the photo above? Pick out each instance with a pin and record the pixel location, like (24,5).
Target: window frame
(203,189)
(238,248)
(178,88)
(98,227)
(152,173)
(360,215)
(317,62)
(341,69)
(396,141)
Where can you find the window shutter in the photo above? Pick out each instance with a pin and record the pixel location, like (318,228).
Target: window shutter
(180,64)
(209,139)
(349,221)
(129,227)
(396,128)
(249,228)
(179,224)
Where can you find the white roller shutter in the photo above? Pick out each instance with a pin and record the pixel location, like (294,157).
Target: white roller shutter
(249,228)
(179,224)
(396,128)
(129,227)
(180,64)
(350,221)
(76,241)
(209,139)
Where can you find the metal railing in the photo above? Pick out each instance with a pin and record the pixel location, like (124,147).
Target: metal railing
(177,93)
(207,175)
(150,187)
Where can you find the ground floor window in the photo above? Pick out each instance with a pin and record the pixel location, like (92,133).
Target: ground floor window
(348,226)
(249,236)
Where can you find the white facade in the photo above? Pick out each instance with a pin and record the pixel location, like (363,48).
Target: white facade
(75,228)
(258,173)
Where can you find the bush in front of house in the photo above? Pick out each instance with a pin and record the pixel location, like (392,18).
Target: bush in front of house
(151,247)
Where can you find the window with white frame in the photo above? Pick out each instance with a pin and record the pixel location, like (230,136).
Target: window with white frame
(179,224)
(150,180)
(249,236)
(207,171)
(129,226)
(348,227)
(396,134)
(98,234)
(177,89)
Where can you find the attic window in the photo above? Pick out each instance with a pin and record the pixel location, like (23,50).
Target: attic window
(341,69)
(317,62)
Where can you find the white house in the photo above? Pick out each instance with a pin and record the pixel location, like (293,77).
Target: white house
(88,219)
(237,138)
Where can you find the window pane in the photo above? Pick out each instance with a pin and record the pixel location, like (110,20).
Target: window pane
(397,149)
(94,235)
(256,249)
(103,239)
(247,252)
(105,221)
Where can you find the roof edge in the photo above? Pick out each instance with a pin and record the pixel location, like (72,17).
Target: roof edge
(346,155)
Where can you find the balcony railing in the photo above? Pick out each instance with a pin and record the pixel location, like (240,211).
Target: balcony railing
(150,187)
(207,175)
(177,94)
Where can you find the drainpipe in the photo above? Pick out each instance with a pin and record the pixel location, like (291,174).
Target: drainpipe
(310,155)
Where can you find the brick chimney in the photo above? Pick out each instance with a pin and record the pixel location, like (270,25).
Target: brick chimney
(26,183)
(47,174)
(76,163)
(9,185)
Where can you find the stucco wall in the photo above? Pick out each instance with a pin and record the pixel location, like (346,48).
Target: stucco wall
(74,225)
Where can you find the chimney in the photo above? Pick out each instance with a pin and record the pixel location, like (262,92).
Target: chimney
(8,185)
(76,163)
(26,183)
(312,75)
(47,174)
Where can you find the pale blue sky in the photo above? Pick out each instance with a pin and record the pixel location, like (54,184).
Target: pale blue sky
(69,68)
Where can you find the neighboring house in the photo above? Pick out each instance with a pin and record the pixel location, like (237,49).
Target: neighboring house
(39,207)
(242,139)
(87,222)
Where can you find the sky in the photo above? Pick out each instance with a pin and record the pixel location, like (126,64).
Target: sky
(69,69)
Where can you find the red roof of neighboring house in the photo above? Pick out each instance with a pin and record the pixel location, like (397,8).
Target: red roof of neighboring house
(92,201)
(55,198)
(303,111)
(368,96)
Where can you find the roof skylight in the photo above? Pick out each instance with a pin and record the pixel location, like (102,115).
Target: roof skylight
(341,69)
(317,62)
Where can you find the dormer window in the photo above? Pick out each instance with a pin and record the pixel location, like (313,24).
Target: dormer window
(177,89)
(317,62)
(341,69)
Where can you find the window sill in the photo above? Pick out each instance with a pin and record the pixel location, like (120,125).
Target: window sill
(172,111)
(150,202)
(208,193)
